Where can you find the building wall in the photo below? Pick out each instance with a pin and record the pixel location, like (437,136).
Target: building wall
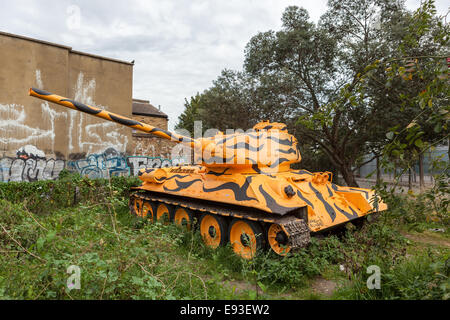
(58,132)
(158,122)
(39,139)
(148,145)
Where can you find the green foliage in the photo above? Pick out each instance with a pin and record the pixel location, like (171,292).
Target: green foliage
(190,114)
(425,276)
(295,269)
(69,190)
(117,261)
(341,84)
(417,78)
(124,257)
(226,105)
(420,211)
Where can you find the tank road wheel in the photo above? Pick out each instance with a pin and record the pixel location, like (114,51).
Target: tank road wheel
(137,206)
(278,239)
(183,217)
(147,210)
(163,213)
(246,238)
(213,229)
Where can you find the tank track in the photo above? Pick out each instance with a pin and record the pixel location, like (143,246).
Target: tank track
(295,227)
(298,231)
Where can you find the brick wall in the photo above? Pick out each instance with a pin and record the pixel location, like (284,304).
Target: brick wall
(153,121)
(149,145)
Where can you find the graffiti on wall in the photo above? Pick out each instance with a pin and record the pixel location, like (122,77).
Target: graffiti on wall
(87,133)
(20,125)
(30,164)
(113,163)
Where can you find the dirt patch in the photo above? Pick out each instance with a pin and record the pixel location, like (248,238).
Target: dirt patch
(240,286)
(323,286)
(427,239)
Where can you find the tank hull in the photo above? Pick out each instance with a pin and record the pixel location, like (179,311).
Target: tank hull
(321,203)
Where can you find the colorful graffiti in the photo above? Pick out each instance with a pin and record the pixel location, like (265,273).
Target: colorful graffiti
(19,169)
(30,164)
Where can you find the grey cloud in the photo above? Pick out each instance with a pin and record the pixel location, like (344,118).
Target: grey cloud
(179,46)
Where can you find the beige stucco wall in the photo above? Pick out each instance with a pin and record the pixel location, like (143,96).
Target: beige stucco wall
(60,132)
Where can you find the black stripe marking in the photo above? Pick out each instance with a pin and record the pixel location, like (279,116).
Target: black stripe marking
(240,193)
(173,137)
(182,185)
(125,122)
(336,188)
(303,172)
(299,194)
(244,145)
(272,204)
(286,142)
(348,215)
(225,140)
(330,193)
(353,211)
(146,170)
(218,174)
(41,92)
(218,160)
(83,107)
(327,206)
(365,192)
(258,170)
(172,177)
(278,162)
(291,150)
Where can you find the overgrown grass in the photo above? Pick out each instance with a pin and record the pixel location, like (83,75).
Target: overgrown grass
(424,276)
(47,196)
(119,256)
(47,226)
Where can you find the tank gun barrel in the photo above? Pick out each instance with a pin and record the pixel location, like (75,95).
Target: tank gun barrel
(100,113)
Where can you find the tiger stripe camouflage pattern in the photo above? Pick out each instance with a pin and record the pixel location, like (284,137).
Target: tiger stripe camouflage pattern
(241,189)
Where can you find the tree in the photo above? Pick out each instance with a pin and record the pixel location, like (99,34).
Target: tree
(334,76)
(228,104)
(329,82)
(421,73)
(190,114)
(319,63)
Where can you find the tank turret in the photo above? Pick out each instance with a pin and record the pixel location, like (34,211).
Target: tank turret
(242,189)
(267,148)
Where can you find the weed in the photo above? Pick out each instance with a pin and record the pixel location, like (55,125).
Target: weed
(46,226)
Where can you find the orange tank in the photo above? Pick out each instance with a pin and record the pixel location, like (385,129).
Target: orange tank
(242,190)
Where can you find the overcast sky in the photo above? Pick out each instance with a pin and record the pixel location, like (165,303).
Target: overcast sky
(179,46)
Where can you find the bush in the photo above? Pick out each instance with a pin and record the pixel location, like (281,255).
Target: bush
(71,189)
(425,276)
(116,260)
(420,211)
(47,226)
